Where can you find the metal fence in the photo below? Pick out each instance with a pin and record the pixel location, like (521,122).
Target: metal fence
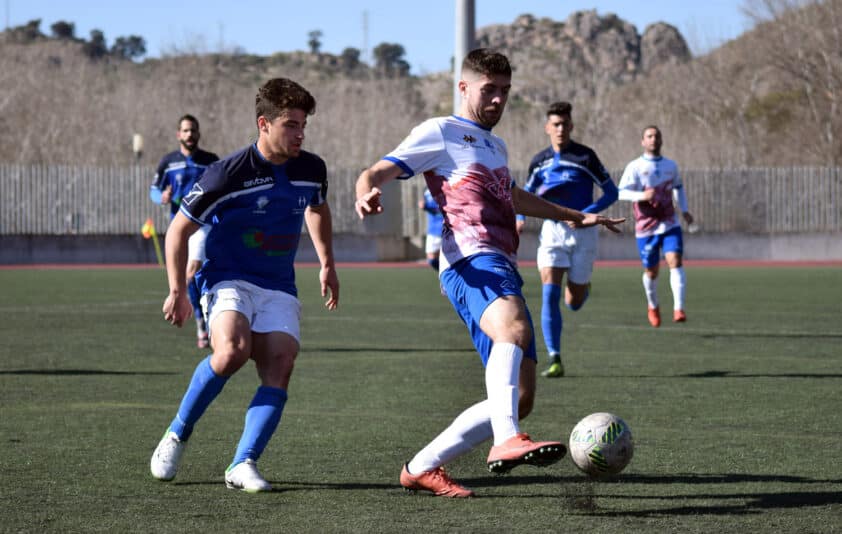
(62,200)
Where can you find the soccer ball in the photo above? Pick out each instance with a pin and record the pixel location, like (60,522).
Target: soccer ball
(601,444)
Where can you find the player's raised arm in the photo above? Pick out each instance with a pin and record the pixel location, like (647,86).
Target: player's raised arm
(368,187)
(526,203)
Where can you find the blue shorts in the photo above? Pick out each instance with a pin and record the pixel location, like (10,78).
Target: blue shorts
(475,282)
(650,247)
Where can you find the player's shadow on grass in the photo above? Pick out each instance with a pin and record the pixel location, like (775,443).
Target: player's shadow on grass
(403,349)
(286,486)
(631,478)
(78,372)
(746,503)
(731,374)
(586,503)
(772,335)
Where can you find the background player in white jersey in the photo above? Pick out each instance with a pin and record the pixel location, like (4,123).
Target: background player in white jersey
(256,201)
(174,178)
(466,170)
(652,182)
(432,242)
(565,173)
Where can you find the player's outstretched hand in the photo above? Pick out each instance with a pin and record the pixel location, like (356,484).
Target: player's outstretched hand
(592,219)
(176,309)
(329,282)
(369,203)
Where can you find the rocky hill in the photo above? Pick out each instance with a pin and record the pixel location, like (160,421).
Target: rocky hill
(583,56)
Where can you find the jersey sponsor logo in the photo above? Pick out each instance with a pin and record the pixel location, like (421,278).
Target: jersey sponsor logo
(270,244)
(261,203)
(302,204)
(194,193)
(470,139)
(260,180)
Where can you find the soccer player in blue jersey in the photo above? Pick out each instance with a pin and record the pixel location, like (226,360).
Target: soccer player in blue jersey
(565,173)
(255,202)
(175,176)
(653,184)
(432,243)
(466,169)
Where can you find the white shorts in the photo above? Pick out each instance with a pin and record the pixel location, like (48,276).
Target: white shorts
(196,244)
(266,310)
(568,248)
(432,244)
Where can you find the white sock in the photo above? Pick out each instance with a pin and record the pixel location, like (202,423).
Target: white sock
(468,430)
(677,282)
(650,287)
(501,384)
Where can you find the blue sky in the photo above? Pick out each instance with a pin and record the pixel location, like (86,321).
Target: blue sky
(425,29)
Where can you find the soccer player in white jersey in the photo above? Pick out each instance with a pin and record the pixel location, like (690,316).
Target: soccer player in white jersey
(466,170)
(255,201)
(652,182)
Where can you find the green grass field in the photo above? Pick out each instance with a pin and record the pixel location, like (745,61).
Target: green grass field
(737,414)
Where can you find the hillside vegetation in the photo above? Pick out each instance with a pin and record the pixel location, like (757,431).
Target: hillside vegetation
(767,98)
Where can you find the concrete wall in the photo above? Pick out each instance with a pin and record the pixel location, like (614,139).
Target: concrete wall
(354,248)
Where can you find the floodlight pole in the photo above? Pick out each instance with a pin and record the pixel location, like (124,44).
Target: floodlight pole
(463,44)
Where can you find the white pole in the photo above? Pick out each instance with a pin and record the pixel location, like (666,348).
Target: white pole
(463,44)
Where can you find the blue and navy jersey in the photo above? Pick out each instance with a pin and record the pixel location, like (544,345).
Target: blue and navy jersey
(255,211)
(434,217)
(568,178)
(179,172)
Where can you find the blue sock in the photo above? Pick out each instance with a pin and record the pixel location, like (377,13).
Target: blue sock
(262,419)
(579,306)
(204,387)
(195,297)
(434,263)
(551,321)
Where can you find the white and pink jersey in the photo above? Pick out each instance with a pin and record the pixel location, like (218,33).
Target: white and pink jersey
(466,169)
(661,174)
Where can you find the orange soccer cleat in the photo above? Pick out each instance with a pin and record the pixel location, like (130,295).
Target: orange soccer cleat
(654,317)
(520,449)
(678,316)
(436,481)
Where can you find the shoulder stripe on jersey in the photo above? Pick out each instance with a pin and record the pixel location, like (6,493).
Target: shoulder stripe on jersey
(235,194)
(404,167)
(571,164)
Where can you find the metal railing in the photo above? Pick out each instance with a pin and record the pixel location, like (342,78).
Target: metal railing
(62,200)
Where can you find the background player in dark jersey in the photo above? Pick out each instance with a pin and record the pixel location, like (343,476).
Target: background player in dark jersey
(432,242)
(565,173)
(175,176)
(255,201)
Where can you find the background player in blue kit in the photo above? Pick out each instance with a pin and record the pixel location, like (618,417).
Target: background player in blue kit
(565,173)
(466,169)
(256,201)
(174,178)
(653,183)
(432,243)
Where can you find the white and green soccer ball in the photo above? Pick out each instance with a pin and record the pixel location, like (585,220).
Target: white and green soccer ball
(601,444)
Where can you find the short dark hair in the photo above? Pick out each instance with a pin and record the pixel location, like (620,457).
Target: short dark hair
(488,62)
(560,108)
(188,117)
(650,127)
(281,94)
